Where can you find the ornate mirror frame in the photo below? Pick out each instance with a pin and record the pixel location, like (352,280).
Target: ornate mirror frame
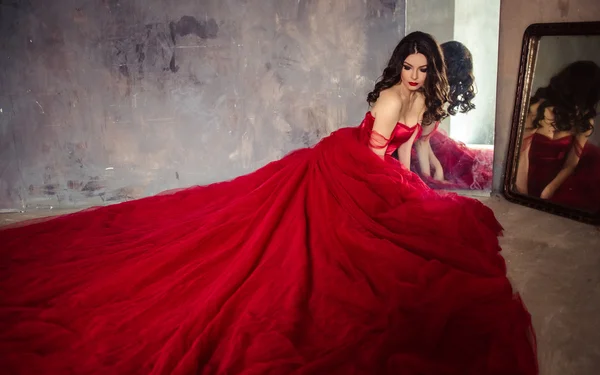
(529,50)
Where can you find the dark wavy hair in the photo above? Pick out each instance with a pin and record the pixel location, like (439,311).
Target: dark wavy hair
(573,93)
(461,82)
(435,87)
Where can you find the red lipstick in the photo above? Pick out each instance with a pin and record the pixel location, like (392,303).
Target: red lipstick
(413,83)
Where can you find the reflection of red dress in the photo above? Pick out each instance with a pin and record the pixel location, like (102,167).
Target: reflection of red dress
(464,167)
(546,159)
(329,261)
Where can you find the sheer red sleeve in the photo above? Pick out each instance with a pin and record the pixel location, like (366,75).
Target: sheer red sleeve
(377,141)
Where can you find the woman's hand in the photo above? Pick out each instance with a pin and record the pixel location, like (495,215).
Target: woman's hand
(548,192)
(438,173)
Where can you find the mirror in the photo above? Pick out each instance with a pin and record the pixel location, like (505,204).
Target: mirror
(555,147)
(463,143)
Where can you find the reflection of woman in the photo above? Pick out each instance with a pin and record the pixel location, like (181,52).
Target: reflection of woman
(335,259)
(556,161)
(454,164)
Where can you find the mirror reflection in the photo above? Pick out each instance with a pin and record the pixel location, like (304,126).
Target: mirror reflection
(457,152)
(453,164)
(559,155)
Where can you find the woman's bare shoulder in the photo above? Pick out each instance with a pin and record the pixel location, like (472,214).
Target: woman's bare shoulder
(389,101)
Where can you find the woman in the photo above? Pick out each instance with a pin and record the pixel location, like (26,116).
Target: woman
(333,260)
(557,162)
(454,165)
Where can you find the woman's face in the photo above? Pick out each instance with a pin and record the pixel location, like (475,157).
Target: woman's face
(414,71)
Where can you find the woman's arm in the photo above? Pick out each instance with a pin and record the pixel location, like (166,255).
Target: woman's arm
(428,160)
(435,163)
(404,151)
(522,179)
(422,147)
(569,166)
(386,111)
(426,156)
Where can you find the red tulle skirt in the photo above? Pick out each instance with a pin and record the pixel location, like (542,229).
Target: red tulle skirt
(329,261)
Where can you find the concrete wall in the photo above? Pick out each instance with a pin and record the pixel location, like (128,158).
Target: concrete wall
(435,17)
(515,16)
(108,100)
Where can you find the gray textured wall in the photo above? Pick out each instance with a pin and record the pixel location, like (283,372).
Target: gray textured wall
(109,100)
(435,17)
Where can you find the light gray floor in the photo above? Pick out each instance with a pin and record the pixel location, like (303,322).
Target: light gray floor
(555,263)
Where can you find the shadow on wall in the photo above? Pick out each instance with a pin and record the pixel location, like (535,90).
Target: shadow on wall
(108,101)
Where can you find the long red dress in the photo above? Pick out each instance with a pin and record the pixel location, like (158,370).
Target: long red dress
(547,157)
(328,261)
